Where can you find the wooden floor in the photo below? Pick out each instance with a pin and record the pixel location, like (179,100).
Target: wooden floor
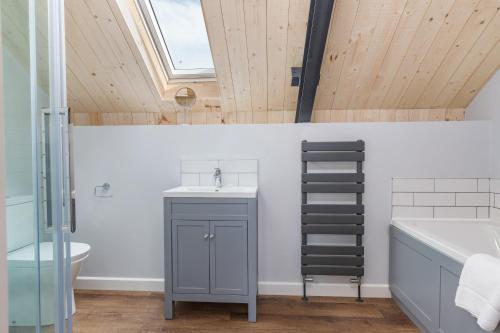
(110,312)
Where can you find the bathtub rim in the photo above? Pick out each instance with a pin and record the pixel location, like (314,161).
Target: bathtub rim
(455,252)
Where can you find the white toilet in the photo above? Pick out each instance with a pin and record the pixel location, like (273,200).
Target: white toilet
(22,268)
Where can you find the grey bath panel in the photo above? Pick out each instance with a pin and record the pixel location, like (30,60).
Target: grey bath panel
(423,282)
(228,258)
(416,278)
(191,256)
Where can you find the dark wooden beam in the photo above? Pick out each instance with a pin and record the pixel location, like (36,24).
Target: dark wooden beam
(320,13)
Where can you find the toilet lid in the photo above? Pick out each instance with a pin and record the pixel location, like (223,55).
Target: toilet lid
(25,256)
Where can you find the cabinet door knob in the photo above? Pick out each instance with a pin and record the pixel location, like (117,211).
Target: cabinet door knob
(212,236)
(205,236)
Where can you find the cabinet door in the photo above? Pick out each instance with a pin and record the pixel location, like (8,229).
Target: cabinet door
(191,257)
(228,257)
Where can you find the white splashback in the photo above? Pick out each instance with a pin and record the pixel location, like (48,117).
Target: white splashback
(465,198)
(20,222)
(240,172)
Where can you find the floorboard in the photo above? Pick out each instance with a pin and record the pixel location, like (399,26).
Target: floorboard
(128,312)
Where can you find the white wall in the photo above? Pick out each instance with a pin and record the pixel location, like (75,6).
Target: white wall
(125,231)
(486,106)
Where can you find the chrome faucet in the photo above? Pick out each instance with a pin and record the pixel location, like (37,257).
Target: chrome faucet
(218,178)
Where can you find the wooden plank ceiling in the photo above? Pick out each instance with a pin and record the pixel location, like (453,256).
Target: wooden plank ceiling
(391,60)
(112,81)
(429,55)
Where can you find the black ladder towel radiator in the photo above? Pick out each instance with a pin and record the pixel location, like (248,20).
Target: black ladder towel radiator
(333,219)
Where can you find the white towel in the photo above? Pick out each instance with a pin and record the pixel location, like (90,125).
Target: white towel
(479,290)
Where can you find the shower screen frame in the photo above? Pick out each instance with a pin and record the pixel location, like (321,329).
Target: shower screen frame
(51,167)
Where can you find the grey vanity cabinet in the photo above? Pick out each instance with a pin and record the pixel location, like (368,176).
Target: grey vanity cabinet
(210,252)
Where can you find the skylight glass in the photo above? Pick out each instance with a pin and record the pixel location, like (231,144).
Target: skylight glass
(181,29)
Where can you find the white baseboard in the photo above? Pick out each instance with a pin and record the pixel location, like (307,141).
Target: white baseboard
(114,283)
(324,289)
(265,288)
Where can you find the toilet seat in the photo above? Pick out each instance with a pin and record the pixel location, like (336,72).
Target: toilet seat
(25,256)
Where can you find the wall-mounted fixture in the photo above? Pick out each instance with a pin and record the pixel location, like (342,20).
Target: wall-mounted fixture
(103,191)
(185,97)
(336,218)
(296,76)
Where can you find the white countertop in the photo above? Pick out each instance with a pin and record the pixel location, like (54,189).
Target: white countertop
(246,192)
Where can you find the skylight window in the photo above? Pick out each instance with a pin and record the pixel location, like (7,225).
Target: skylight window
(178,29)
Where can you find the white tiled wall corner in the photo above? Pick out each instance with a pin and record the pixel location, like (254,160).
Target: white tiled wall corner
(243,172)
(495,185)
(495,214)
(445,197)
(483,185)
(495,200)
(483,212)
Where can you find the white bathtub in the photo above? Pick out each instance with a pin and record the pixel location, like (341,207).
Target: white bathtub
(459,239)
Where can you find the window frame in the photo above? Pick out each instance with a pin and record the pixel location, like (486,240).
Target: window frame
(179,75)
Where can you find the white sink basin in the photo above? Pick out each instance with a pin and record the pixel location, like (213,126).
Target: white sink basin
(211,192)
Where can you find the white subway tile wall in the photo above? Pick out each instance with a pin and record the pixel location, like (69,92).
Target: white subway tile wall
(247,179)
(483,212)
(495,214)
(434,199)
(455,185)
(444,197)
(234,172)
(402,199)
(473,199)
(190,179)
(417,212)
(483,185)
(207,179)
(495,185)
(455,212)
